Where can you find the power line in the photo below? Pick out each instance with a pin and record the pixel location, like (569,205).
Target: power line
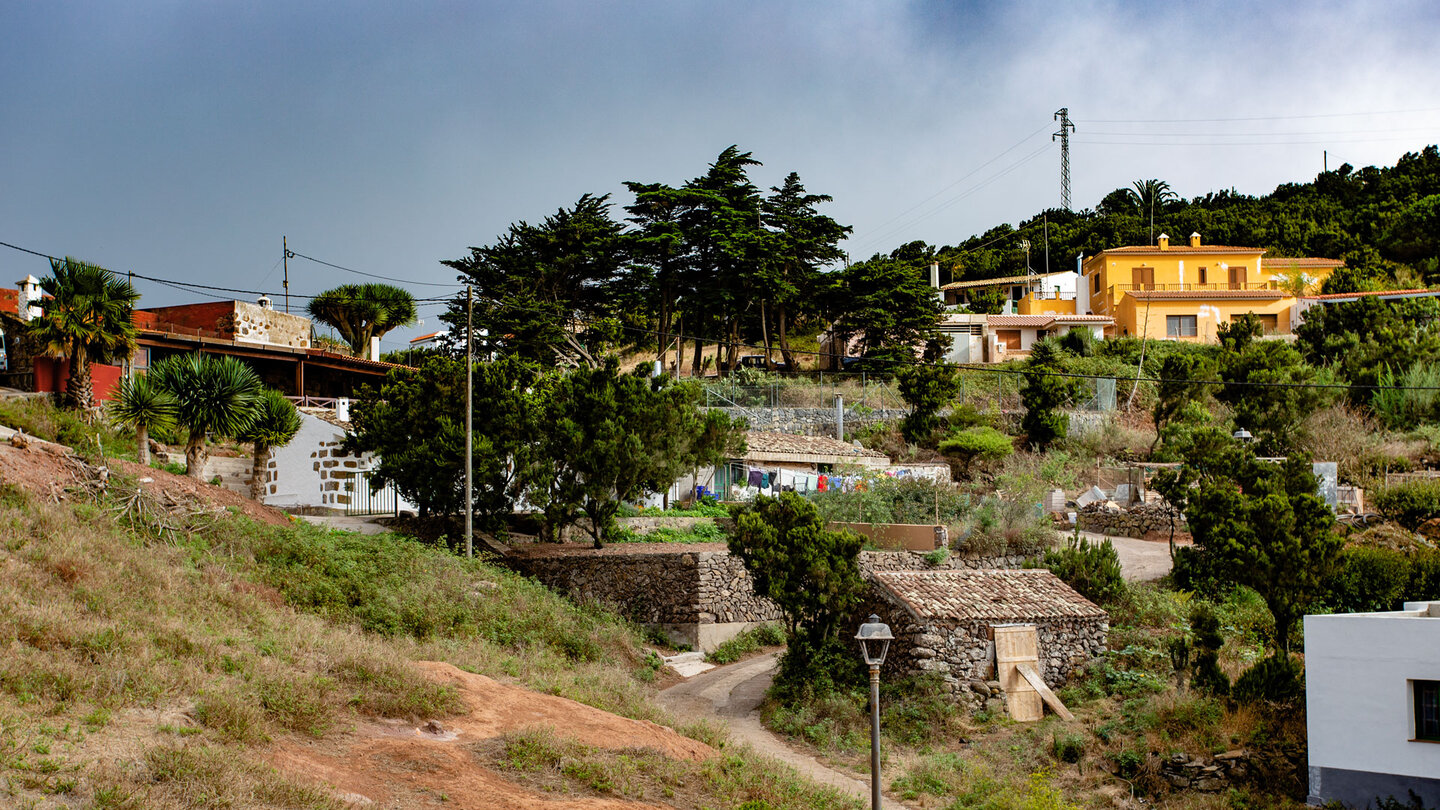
(1255,118)
(373,275)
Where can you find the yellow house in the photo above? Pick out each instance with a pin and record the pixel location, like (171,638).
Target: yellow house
(1184,292)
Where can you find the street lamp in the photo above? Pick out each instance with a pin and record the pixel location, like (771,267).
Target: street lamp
(1243,436)
(874,638)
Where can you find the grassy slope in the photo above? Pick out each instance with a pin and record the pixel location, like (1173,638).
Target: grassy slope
(140,673)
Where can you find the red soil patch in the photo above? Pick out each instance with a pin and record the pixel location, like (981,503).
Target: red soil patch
(42,469)
(395,765)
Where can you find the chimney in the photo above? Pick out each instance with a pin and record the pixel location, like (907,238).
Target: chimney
(935,275)
(1164,241)
(374,348)
(342,409)
(264,302)
(1195,239)
(27,304)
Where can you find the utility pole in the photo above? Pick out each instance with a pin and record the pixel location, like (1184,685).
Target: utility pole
(1047,241)
(1063,116)
(285,250)
(469,414)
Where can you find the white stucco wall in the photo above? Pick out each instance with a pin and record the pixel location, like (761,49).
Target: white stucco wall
(311,471)
(1359,702)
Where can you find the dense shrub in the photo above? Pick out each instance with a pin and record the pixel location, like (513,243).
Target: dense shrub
(1372,579)
(1093,569)
(1207,676)
(1278,679)
(1410,503)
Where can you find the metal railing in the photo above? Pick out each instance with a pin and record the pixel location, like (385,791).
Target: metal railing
(365,500)
(1193,287)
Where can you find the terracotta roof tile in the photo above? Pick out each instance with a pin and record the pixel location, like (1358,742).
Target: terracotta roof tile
(1183,248)
(1275,263)
(992,596)
(1019,320)
(1418,293)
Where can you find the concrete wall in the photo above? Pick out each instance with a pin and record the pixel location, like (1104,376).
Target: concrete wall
(912,537)
(1359,711)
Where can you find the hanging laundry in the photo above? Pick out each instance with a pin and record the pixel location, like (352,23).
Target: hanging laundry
(820,487)
(756,479)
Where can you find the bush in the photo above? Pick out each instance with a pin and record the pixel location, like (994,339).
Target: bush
(1068,748)
(1410,503)
(1278,679)
(1367,579)
(976,444)
(1207,677)
(1093,569)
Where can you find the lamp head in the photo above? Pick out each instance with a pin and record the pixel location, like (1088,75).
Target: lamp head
(874,638)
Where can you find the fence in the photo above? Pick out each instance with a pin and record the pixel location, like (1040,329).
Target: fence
(365,500)
(801,393)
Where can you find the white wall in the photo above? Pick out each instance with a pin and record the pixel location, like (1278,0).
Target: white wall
(310,471)
(1360,714)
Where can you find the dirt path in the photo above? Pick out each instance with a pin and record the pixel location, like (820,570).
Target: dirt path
(1140,560)
(733,694)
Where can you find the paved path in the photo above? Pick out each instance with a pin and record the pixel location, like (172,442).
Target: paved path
(1140,560)
(733,694)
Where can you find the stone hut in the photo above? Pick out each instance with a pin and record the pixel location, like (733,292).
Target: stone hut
(944,623)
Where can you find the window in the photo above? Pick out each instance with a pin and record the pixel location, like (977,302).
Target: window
(1427,710)
(1269,323)
(1237,278)
(1202,276)
(1095,282)
(1009,338)
(1180,326)
(1143,278)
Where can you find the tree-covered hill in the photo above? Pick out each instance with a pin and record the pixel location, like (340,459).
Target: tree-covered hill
(1382,221)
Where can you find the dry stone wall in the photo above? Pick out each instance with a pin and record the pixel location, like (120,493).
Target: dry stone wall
(1137,521)
(807,421)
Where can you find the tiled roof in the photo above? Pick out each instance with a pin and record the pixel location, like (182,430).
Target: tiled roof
(995,282)
(1201,295)
(426,337)
(10,301)
(1418,293)
(779,446)
(992,596)
(1183,248)
(1300,263)
(1019,320)
(359,361)
(1083,319)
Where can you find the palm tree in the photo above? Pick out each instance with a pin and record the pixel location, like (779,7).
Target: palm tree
(143,405)
(87,319)
(362,311)
(214,395)
(276,423)
(1149,192)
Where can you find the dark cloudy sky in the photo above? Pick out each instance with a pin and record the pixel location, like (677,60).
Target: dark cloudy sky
(182,140)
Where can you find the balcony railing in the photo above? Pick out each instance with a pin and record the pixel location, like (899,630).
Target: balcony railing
(1189,287)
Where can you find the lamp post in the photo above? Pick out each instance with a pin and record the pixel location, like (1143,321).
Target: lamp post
(1243,436)
(874,638)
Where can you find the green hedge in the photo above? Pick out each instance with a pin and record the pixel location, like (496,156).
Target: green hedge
(1409,504)
(1372,579)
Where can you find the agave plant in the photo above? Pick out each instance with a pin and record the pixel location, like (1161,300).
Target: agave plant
(276,423)
(213,395)
(141,404)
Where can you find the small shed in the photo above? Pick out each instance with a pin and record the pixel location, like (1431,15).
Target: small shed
(945,622)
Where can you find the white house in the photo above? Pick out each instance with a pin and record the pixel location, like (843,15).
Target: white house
(1372,695)
(314,472)
(997,338)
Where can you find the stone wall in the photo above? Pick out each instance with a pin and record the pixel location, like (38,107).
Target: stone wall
(807,421)
(963,653)
(253,323)
(1137,521)
(916,561)
(699,595)
(1206,776)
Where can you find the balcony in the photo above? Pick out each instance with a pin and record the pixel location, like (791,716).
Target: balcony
(1117,289)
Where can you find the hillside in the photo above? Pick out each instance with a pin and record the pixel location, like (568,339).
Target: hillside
(168,649)
(1379,219)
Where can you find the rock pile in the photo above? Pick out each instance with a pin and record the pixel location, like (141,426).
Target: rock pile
(1213,776)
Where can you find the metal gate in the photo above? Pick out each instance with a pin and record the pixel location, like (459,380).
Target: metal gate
(365,500)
